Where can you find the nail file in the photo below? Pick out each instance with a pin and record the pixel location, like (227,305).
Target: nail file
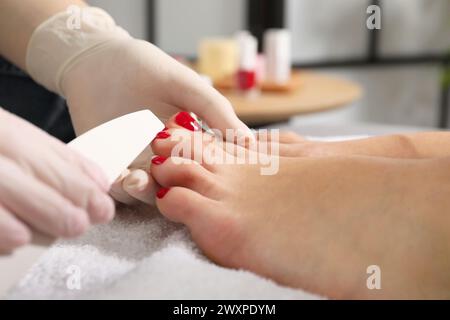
(112,146)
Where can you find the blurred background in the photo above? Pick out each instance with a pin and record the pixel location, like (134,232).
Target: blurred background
(401,68)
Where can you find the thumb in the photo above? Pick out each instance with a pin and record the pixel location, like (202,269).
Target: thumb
(195,95)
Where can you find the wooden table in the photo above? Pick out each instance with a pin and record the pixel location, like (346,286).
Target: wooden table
(316,92)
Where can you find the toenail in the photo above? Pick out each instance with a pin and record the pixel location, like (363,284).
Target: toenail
(162,192)
(158,160)
(185,120)
(162,135)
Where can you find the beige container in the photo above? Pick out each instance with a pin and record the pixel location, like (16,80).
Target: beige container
(218,58)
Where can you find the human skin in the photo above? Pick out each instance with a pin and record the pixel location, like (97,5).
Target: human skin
(46,186)
(405,146)
(20,19)
(320,221)
(126,75)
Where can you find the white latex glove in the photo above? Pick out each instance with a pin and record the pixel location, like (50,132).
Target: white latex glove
(116,75)
(45,185)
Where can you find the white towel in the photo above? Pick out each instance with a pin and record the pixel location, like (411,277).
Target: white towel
(140,255)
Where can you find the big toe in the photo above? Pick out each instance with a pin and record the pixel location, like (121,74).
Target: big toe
(215,230)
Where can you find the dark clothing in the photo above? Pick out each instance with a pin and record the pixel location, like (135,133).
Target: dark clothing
(22,96)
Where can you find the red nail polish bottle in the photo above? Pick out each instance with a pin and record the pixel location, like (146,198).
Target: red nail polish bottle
(246,80)
(248,52)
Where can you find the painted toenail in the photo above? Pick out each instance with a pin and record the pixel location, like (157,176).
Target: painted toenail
(185,120)
(162,135)
(158,160)
(162,192)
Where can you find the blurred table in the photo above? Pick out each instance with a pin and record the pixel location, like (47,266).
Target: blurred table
(315,93)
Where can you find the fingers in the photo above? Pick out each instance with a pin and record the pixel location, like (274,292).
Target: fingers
(13,233)
(38,205)
(59,167)
(193,94)
(117,191)
(141,186)
(94,172)
(68,176)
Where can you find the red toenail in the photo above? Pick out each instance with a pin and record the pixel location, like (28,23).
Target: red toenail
(162,135)
(162,192)
(185,120)
(158,160)
(165,128)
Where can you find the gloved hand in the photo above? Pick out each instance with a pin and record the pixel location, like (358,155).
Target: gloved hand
(46,185)
(105,73)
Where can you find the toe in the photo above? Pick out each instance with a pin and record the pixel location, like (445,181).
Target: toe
(204,148)
(217,231)
(290,137)
(174,171)
(166,140)
(185,206)
(184,120)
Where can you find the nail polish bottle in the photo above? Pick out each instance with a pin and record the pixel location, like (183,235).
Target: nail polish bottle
(248,52)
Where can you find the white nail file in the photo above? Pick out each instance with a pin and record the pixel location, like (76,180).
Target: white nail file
(112,146)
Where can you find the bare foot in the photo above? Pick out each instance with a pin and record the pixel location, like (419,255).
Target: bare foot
(396,146)
(399,146)
(319,223)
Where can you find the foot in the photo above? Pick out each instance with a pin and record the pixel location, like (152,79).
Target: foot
(319,223)
(397,146)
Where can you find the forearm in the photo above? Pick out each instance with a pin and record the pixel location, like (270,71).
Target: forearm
(18,21)
(417,145)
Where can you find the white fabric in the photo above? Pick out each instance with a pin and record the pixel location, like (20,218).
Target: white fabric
(56,44)
(141,255)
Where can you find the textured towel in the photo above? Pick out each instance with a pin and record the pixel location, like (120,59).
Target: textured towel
(140,255)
